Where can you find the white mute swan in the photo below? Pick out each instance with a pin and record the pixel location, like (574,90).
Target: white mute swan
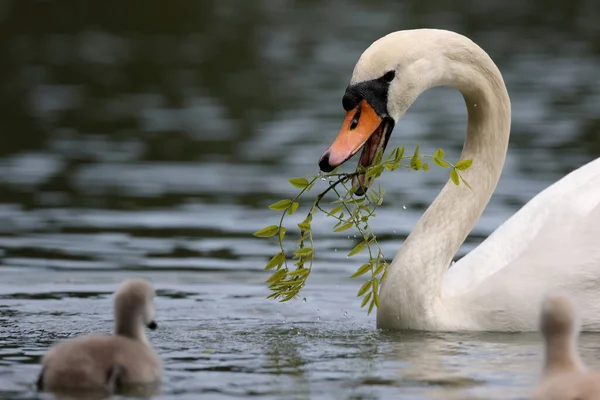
(109,363)
(564,377)
(552,242)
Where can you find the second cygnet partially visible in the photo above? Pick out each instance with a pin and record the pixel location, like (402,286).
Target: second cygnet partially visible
(564,376)
(108,364)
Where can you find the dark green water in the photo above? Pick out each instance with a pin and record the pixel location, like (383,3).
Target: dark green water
(147,139)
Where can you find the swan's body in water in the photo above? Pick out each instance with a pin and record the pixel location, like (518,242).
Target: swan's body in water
(551,243)
(109,363)
(564,376)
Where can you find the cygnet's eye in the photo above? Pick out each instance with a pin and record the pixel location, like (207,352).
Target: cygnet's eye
(389,76)
(152,325)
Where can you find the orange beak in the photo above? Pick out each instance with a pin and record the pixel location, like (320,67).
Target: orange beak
(359,125)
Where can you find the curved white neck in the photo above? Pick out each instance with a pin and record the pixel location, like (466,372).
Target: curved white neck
(415,275)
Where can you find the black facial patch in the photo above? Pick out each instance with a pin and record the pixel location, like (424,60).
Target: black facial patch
(375,92)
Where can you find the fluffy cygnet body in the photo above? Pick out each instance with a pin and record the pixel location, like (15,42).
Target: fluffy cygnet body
(109,363)
(564,376)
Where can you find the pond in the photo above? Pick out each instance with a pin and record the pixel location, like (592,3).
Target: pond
(148,141)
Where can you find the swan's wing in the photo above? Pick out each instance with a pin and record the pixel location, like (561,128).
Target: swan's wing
(510,298)
(557,220)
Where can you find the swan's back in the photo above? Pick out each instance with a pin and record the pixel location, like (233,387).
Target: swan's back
(563,377)
(99,363)
(550,244)
(569,203)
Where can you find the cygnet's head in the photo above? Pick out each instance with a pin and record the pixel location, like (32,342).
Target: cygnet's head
(558,316)
(134,307)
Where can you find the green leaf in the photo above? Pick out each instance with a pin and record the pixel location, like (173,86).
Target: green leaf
(300,183)
(439,153)
(384,275)
(416,153)
(463,165)
(280,205)
(344,227)
(299,272)
(415,161)
(399,154)
(293,207)
(289,297)
(303,237)
(363,289)
(376,292)
(361,271)
(300,263)
(366,299)
(454,176)
(425,167)
(374,171)
(371,307)
(380,267)
(357,249)
(276,261)
(268,231)
(282,232)
(378,156)
(441,163)
(305,252)
(305,226)
(335,210)
(277,276)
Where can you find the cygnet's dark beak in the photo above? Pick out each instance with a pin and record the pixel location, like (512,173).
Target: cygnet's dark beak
(152,325)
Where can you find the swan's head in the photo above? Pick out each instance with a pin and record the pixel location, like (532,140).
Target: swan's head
(386,80)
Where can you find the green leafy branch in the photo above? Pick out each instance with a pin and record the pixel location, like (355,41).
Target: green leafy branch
(350,211)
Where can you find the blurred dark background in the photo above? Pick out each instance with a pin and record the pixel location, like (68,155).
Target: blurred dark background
(116,83)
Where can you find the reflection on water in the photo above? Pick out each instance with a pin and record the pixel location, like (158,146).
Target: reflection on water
(144,140)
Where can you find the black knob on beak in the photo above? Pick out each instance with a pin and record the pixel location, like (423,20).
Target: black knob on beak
(324,163)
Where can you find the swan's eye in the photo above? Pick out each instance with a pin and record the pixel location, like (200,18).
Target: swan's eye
(389,76)
(354,122)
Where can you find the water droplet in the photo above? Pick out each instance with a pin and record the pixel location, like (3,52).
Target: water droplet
(318,310)
(345,313)
(334,250)
(318,318)
(404,207)
(394,231)
(323,179)
(304,299)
